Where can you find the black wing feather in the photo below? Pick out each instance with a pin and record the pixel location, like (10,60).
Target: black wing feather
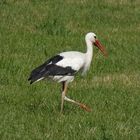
(50,69)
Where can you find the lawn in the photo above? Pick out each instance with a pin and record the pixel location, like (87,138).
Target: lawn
(32,31)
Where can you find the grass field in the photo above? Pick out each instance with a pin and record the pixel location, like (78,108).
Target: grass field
(31,31)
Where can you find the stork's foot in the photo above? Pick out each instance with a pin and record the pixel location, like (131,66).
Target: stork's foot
(86,108)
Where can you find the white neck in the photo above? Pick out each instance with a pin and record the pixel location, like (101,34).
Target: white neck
(89,52)
(88,55)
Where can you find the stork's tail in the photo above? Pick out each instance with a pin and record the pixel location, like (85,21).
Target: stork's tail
(37,74)
(35,78)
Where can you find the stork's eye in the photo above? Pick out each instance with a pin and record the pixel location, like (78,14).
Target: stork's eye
(95,37)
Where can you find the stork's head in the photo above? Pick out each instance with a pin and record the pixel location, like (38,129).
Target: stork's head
(91,38)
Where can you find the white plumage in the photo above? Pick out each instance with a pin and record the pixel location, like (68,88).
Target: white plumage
(64,66)
(75,60)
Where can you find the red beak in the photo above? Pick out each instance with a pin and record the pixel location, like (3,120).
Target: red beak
(101,47)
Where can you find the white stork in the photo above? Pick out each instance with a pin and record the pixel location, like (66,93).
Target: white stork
(64,66)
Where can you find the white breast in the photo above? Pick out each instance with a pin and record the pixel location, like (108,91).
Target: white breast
(75,60)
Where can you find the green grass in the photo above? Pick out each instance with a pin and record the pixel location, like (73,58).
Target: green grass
(31,31)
